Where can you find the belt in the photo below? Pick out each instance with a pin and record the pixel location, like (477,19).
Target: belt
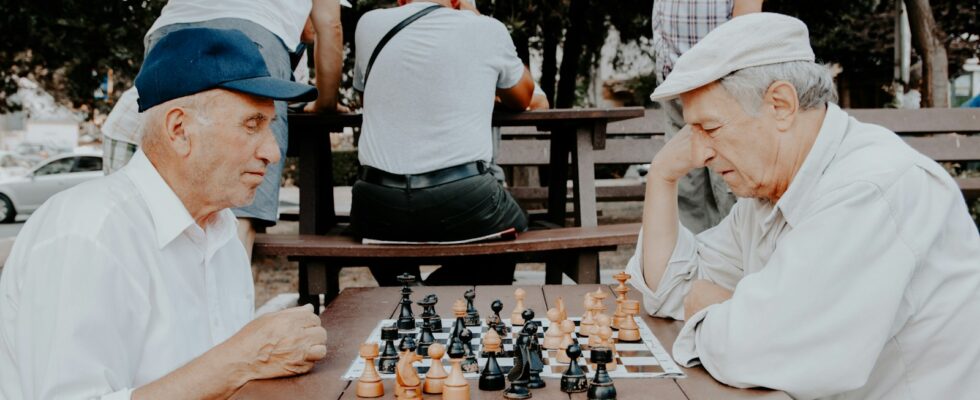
(421,181)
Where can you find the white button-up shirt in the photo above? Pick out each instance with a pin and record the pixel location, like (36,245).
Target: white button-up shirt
(112,285)
(861,282)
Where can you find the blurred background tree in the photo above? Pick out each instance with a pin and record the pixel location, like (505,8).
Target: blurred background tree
(72,48)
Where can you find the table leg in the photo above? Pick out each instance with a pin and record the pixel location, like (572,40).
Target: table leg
(583,180)
(557,181)
(316,208)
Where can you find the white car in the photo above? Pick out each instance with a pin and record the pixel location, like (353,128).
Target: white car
(25,193)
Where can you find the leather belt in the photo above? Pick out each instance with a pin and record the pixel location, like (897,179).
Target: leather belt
(421,181)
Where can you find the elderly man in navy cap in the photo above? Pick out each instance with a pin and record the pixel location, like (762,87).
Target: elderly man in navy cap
(135,285)
(849,267)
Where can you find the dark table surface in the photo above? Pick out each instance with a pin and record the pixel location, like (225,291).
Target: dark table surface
(350,318)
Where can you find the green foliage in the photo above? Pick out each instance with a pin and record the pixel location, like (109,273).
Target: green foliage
(69,46)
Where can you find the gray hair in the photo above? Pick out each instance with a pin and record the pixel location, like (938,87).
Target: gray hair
(813,82)
(152,119)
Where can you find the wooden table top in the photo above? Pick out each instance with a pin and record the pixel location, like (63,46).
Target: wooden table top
(352,315)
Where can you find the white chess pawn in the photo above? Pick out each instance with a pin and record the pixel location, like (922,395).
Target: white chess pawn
(515,316)
(567,339)
(553,335)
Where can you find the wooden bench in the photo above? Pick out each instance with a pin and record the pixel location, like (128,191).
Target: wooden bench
(945,135)
(326,255)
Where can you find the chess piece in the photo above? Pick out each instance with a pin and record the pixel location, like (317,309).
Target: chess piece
(561,308)
(601,386)
(469,363)
(436,374)
(598,297)
(621,291)
(567,330)
(459,310)
(425,335)
(515,316)
(407,343)
(552,336)
(434,319)
(604,335)
(520,373)
(455,386)
(585,325)
(492,377)
(407,377)
(369,384)
(389,356)
(601,320)
(472,315)
(528,317)
(494,322)
(629,331)
(534,351)
(406,319)
(573,380)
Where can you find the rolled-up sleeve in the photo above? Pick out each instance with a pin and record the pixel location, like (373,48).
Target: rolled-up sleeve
(826,300)
(712,255)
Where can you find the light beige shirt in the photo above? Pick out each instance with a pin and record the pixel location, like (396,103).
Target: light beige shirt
(112,285)
(861,282)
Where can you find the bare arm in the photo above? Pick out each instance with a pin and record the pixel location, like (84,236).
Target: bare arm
(518,97)
(279,344)
(743,7)
(328,52)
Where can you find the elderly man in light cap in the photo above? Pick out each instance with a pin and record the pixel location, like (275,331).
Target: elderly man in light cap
(849,268)
(136,285)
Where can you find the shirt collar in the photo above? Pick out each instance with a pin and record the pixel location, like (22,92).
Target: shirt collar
(824,149)
(170,216)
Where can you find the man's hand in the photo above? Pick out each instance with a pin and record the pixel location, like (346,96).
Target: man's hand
(703,294)
(314,107)
(675,159)
(278,344)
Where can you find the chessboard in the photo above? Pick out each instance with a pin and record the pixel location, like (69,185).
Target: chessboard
(644,359)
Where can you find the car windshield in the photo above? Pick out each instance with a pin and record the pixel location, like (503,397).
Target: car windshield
(59,166)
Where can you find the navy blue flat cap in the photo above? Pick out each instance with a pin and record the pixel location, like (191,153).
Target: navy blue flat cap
(193,60)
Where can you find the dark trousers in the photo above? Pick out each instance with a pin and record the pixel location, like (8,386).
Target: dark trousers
(467,208)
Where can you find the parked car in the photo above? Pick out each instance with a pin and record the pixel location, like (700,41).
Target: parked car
(24,194)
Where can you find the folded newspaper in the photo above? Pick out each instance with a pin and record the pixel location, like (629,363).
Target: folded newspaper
(507,234)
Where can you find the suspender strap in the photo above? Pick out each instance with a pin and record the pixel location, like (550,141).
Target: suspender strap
(377,49)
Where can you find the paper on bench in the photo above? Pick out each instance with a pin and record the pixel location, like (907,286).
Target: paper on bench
(507,234)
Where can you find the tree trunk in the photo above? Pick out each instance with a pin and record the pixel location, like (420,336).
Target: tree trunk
(571,53)
(927,39)
(550,29)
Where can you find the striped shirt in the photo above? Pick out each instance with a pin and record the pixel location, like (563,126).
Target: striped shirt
(679,24)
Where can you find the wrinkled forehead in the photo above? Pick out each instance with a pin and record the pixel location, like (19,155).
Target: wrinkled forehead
(709,103)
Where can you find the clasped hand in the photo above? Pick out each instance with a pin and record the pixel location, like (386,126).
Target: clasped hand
(676,158)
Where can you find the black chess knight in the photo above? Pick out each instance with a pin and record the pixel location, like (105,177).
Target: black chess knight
(520,373)
(434,319)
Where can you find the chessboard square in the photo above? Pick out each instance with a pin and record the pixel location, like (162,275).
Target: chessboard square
(640,361)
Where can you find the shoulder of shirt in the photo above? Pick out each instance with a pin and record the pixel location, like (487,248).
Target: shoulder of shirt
(92,207)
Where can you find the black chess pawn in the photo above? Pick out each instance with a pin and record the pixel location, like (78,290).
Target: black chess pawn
(494,322)
(389,356)
(434,319)
(472,315)
(520,373)
(406,319)
(601,387)
(534,351)
(469,363)
(528,316)
(425,335)
(574,379)
(492,377)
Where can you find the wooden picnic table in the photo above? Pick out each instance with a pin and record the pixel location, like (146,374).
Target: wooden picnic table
(574,135)
(350,318)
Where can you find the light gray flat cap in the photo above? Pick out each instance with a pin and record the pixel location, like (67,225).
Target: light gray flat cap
(746,41)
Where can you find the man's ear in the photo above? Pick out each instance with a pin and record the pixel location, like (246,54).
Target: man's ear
(780,99)
(402,2)
(176,121)
(454,4)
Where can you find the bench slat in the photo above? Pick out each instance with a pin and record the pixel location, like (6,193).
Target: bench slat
(532,241)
